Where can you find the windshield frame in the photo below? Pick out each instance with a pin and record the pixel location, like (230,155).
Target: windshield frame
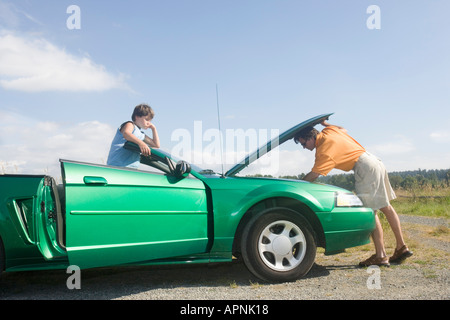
(165,154)
(163,161)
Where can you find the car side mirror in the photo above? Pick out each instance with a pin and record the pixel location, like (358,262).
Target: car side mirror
(182,169)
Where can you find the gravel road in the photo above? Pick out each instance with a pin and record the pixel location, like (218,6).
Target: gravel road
(423,276)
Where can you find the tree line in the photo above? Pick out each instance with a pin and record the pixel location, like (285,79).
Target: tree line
(407,180)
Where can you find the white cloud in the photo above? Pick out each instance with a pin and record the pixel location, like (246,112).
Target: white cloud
(440,136)
(31,147)
(35,65)
(397,145)
(12,17)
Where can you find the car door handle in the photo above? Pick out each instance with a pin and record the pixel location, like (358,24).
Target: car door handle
(95,180)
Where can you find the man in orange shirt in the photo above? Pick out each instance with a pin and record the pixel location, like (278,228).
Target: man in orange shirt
(336,149)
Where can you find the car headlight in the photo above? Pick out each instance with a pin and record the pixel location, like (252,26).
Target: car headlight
(347,200)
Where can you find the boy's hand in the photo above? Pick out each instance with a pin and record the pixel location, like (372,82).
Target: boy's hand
(145,150)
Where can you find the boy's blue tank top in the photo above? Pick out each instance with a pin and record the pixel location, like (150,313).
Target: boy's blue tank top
(118,156)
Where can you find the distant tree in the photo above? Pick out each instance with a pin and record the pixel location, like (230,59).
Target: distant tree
(447,177)
(408,180)
(396,181)
(409,183)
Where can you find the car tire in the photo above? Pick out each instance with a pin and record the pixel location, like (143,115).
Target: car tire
(278,245)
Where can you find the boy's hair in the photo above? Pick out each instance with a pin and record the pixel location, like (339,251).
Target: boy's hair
(142,110)
(306,134)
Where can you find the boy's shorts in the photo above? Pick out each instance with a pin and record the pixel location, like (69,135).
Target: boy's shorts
(372,182)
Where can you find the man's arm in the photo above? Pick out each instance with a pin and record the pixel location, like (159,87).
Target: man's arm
(326,124)
(311,176)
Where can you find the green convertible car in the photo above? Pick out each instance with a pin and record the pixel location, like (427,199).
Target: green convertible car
(110,216)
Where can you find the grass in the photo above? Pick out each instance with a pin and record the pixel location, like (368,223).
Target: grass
(425,202)
(428,203)
(425,257)
(439,231)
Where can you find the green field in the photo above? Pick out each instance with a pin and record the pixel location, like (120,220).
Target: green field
(419,192)
(428,202)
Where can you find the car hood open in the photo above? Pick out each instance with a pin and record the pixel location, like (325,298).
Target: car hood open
(274,143)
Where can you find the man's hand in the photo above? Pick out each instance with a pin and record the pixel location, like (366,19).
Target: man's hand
(325,123)
(311,176)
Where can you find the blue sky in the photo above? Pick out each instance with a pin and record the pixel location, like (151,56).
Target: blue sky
(63,92)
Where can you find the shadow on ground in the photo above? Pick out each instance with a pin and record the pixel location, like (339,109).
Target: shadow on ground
(111,283)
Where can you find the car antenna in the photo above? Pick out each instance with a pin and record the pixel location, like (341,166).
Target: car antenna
(220,131)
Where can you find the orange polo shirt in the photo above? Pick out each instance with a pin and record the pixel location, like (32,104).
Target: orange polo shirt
(335,149)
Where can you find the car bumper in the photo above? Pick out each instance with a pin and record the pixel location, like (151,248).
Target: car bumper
(346,228)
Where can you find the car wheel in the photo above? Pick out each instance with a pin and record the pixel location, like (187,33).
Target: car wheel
(278,245)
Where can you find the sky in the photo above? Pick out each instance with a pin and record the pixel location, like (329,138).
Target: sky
(72,71)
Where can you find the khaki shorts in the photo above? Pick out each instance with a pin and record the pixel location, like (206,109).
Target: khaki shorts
(372,182)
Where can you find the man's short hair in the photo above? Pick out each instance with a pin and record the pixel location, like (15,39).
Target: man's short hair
(306,134)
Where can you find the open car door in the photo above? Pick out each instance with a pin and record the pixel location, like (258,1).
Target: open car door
(119,216)
(39,215)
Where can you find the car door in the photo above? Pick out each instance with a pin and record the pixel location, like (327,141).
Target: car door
(120,216)
(48,220)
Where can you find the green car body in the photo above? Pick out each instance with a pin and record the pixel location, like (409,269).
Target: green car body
(108,216)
